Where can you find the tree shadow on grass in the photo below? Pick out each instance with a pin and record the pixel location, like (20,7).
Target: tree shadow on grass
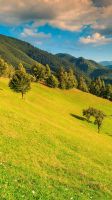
(78,117)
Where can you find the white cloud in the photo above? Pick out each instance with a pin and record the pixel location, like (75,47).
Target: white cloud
(96,39)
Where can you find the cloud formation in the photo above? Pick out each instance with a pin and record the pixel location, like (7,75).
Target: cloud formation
(96,39)
(28,32)
(69,15)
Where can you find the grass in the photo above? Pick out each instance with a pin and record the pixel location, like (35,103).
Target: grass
(47,152)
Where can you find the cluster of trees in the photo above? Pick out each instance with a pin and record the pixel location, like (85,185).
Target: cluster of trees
(97,114)
(62,79)
(99,88)
(66,79)
(43,73)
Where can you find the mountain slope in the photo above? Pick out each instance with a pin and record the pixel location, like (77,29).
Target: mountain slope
(48,151)
(16,51)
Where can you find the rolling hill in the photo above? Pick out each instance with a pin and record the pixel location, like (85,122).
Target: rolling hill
(15,51)
(48,151)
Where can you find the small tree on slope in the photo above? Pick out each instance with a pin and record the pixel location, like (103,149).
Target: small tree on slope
(20,81)
(97,114)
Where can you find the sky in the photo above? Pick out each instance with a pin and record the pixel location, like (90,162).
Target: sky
(82,28)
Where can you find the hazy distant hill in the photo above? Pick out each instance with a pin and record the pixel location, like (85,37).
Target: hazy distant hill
(106,63)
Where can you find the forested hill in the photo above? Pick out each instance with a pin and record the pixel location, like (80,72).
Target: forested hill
(15,51)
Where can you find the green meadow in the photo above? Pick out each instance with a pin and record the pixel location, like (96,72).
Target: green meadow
(48,151)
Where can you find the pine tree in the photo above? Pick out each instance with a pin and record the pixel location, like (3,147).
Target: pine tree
(103,88)
(47,71)
(62,76)
(108,92)
(71,80)
(98,87)
(82,85)
(67,80)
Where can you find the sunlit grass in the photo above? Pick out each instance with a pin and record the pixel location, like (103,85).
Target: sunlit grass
(48,154)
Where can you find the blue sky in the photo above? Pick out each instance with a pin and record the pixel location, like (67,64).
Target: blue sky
(78,27)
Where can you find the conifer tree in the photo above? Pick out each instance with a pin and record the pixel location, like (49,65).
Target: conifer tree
(108,92)
(47,71)
(62,76)
(52,81)
(71,80)
(82,85)
(98,87)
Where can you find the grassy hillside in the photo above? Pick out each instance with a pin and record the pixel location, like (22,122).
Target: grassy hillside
(48,152)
